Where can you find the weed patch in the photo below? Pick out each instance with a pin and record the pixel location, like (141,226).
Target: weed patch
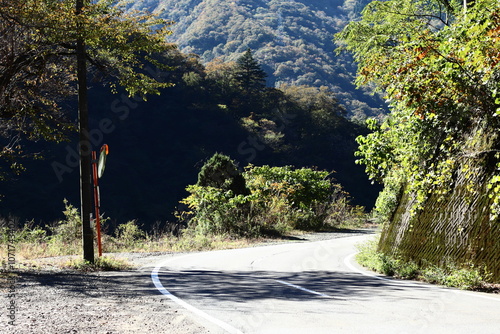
(466,277)
(103,263)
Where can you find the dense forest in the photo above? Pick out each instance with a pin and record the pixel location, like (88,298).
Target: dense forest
(258,81)
(293,40)
(158,146)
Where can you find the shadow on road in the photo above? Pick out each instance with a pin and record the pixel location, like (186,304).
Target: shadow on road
(215,285)
(123,284)
(244,286)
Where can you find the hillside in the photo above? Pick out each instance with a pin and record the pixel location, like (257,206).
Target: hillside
(292,39)
(158,146)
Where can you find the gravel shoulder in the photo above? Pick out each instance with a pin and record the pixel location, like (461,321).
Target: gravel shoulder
(51,300)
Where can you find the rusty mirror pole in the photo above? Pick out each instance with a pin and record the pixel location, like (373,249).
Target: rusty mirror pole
(98,170)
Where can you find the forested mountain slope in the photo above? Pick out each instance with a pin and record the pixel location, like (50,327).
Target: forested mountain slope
(292,39)
(158,146)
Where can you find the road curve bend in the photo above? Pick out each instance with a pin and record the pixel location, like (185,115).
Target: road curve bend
(314,287)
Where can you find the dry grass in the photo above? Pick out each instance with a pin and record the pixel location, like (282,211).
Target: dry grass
(53,255)
(34,247)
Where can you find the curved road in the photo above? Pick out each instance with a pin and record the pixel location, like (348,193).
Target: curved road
(314,287)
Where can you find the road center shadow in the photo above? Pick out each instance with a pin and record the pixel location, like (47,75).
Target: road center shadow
(244,286)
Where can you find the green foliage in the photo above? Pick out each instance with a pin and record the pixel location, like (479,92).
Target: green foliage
(367,255)
(32,234)
(293,125)
(437,66)
(222,172)
(249,74)
(32,242)
(388,199)
(494,191)
(266,130)
(216,211)
(220,200)
(38,60)
(301,187)
(120,42)
(279,199)
(28,233)
(64,237)
(291,40)
(387,265)
(465,277)
(129,234)
(68,231)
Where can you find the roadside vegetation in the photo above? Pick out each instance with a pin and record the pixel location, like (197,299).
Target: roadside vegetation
(437,62)
(64,238)
(465,277)
(226,208)
(264,201)
(104,263)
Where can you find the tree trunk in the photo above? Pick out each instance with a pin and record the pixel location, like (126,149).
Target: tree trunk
(84,147)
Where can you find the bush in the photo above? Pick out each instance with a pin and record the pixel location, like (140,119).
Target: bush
(221,172)
(29,233)
(129,234)
(313,201)
(369,257)
(220,202)
(68,230)
(215,211)
(466,277)
(302,187)
(276,200)
(66,235)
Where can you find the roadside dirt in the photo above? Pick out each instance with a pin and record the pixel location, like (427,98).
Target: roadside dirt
(107,302)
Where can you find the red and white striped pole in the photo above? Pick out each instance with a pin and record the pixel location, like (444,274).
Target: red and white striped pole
(96,203)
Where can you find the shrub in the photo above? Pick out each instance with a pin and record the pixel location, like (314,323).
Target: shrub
(302,187)
(466,277)
(216,211)
(314,201)
(221,172)
(368,256)
(277,200)
(70,229)
(32,234)
(29,233)
(129,234)
(220,202)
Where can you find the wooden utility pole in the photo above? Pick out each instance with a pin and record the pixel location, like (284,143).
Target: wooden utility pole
(84,145)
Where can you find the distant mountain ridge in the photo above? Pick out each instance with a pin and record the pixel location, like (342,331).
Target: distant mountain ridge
(293,40)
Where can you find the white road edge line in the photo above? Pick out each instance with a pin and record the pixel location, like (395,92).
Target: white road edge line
(303,289)
(165,292)
(347,262)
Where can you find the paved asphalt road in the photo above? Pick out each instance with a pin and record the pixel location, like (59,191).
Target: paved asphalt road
(314,287)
